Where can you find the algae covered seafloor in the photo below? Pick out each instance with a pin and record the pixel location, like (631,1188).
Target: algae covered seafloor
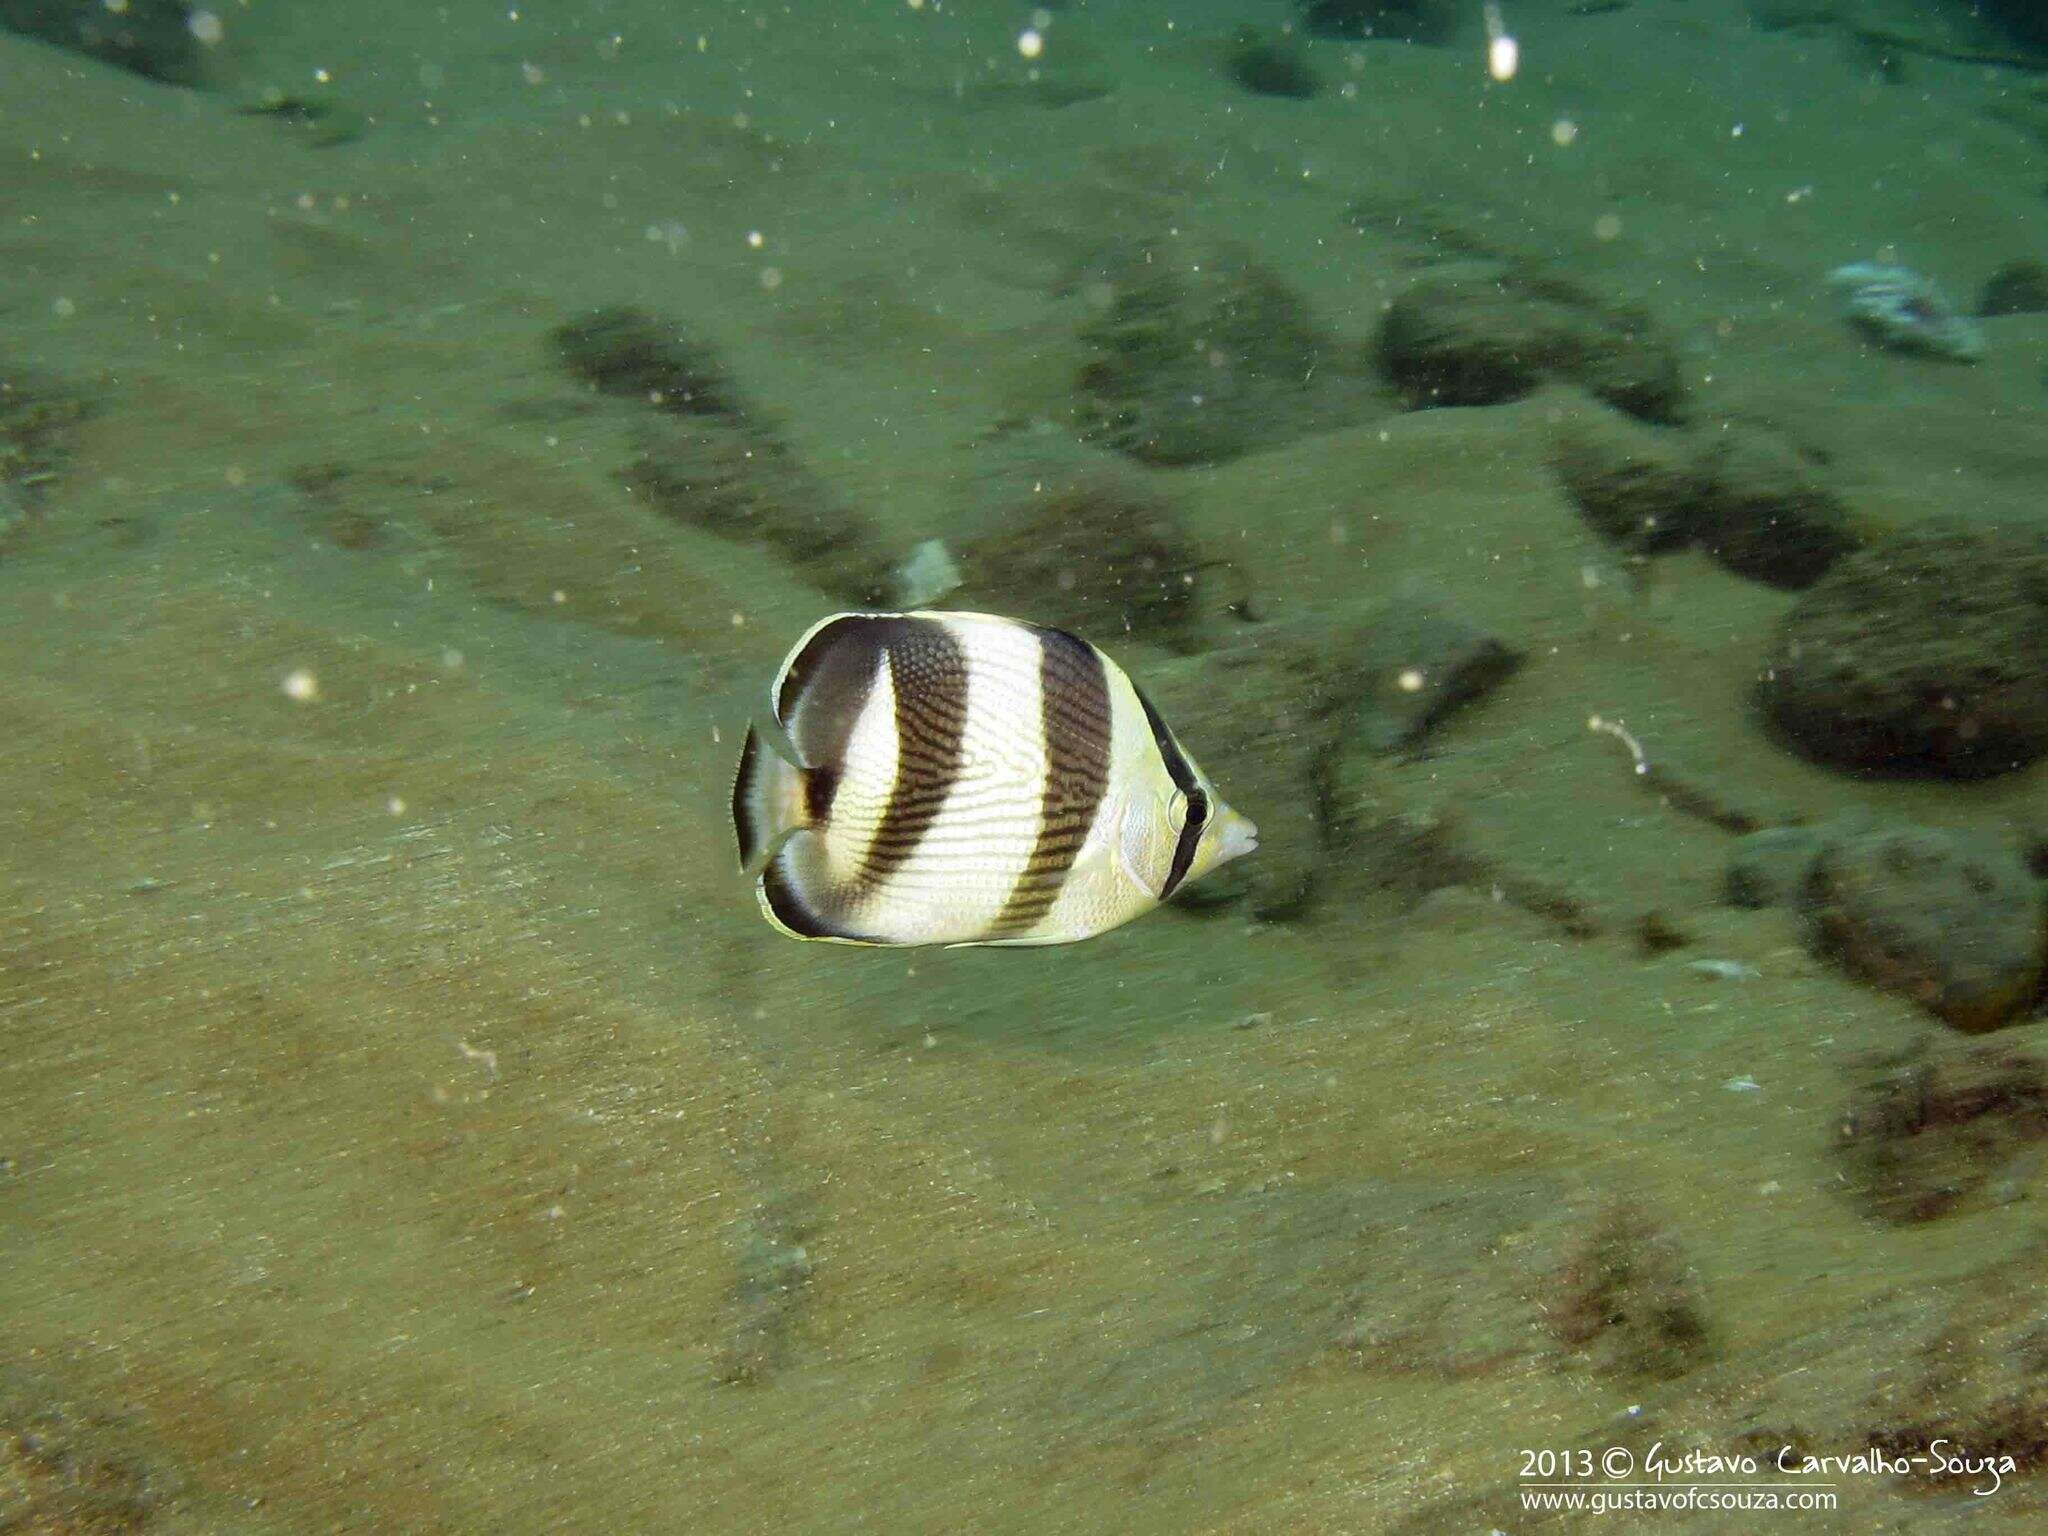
(406,1121)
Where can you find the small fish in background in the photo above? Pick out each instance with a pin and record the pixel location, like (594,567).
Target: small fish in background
(1906,311)
(960,778)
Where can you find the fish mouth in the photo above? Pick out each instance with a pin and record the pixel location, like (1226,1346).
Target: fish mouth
(1236,836)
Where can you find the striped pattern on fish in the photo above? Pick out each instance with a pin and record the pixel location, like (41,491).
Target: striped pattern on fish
(959,778)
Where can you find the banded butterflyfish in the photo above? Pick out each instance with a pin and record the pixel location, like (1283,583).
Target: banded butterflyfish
(960,778)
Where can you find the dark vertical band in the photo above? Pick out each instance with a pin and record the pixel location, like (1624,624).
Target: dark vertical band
(1182,772)
(1075,724)
(929,673)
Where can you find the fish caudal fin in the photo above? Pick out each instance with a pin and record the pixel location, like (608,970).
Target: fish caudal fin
(769,801)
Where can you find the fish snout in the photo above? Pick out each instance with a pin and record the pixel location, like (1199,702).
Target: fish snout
(1235,835)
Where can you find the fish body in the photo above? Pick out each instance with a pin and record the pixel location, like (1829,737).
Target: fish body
(962,778)
(1906,311)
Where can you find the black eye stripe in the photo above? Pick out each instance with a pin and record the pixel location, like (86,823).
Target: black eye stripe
(1183,775)
(1190,839)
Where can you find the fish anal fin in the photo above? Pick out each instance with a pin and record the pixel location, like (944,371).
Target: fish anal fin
(784,907)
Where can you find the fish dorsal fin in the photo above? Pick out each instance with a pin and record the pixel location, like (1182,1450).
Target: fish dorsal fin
(822,688)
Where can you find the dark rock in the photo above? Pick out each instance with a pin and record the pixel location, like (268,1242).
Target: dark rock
(319,122)
(1043,90)
(150,37)
(1412,21)
(1302,723)
(1641,487)
(1751,498)
(39,423)
(741,484)
(1620,356)
(1419,659)
(1408,854)
(1931,1128)
(1926,652)
(1769,868)
(1199,361)
(1443,1298)
(710,460)
(1272,714)
(67,1466)
(345,511)
(1304,726)
(1267,68)
(1957,927)
(1788,15)
(1767,513)
(2023,20)
(1625,1295)
(1975,1388)
(629,352)
(1481,341)
(1712,798)
(2017,288)
(1102,557)
(1446,342)
(1656,933)
(1409,858)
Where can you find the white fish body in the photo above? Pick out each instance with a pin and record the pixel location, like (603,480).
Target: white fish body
(964,778)
(1904,310)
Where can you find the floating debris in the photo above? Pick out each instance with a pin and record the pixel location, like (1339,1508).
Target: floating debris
(1622,734)
(927,575)
(1906,311)
(1724,970)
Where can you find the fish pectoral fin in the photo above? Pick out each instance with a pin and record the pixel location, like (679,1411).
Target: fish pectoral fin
(1130,854)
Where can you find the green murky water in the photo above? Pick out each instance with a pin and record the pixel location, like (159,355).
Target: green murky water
(407,1122)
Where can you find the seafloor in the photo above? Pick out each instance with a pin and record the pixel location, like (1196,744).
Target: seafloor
(408,1124)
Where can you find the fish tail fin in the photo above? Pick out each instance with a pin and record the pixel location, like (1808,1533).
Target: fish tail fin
(771,798)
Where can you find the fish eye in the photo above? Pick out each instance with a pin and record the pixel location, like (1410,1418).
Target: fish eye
(1176,812)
